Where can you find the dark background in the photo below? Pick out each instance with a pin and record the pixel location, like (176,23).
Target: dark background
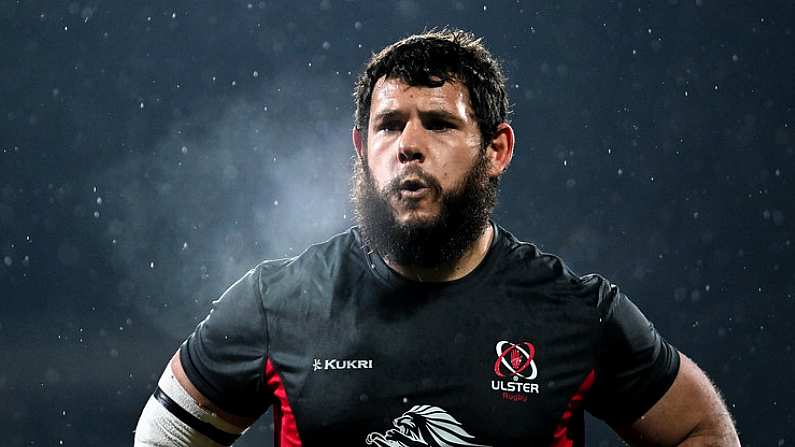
(152,152)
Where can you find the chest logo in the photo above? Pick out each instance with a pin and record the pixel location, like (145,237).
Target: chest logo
(517,362)
(424,425)
(327,364)
(515,359)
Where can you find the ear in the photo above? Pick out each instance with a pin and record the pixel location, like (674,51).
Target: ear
(500,151)
(358,143)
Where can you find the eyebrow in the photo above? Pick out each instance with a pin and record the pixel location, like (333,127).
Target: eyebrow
(441,115)
(424,115)
(388,114)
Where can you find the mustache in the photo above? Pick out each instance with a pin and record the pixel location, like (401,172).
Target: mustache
(412,176)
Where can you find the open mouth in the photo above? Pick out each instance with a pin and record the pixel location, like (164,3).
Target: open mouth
(413,188)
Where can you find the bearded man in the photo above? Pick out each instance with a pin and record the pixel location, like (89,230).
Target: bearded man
(428,324)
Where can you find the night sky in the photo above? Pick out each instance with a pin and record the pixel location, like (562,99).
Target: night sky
(152,152)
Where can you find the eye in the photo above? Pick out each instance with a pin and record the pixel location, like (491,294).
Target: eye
(390,126)
(439,125)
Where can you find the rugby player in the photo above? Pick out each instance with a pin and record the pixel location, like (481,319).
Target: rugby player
(428,324)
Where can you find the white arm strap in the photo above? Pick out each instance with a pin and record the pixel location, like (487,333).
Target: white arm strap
(159,427)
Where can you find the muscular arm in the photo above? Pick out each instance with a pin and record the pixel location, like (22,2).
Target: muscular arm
(203,402)
(690,414)
(194,422)
(225,358)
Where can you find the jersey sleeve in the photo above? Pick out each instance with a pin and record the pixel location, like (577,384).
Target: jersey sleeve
(225,356)
(635,365)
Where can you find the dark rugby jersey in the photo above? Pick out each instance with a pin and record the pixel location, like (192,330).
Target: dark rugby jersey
(348,352)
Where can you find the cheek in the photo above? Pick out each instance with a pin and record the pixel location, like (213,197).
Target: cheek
(454,171)
(444,174)
(379,171)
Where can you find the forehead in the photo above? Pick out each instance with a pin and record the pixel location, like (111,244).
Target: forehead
(394,94)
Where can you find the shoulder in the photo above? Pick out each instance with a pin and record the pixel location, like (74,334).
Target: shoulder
(319,262)
(525,262)
(319,255)
(529,260)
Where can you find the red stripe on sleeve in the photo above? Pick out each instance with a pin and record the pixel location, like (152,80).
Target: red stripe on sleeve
(562,438)
(285,431)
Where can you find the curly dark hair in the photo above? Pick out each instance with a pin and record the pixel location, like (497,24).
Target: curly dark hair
(432,58)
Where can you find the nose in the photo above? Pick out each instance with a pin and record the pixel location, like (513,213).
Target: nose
(411,146)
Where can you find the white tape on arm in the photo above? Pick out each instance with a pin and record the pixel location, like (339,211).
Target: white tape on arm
(193,426)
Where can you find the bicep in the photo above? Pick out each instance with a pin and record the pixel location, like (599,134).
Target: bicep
(225,357)
(178,415)
(241,422)
(689,405)
(636,366)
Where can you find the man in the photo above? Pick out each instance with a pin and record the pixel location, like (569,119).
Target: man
(428,324)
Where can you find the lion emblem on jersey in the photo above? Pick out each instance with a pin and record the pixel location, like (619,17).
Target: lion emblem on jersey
(424,425)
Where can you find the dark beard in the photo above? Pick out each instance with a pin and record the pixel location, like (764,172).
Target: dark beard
(463,214)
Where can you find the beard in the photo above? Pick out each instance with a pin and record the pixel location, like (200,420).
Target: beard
(443,239)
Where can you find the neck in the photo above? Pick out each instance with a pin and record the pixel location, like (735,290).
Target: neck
(449,271)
